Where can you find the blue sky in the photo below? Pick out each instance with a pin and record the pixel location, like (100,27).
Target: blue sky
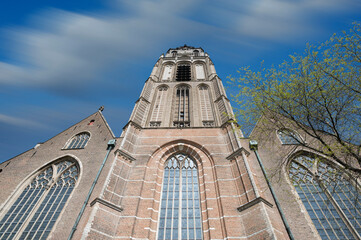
(61,60)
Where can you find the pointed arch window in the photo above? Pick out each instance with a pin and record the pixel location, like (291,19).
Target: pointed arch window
(181,114)
(36,209)
(288,136)
(159,105)
(180,214)
(78,141)
(330,196)
(183,72)
(205,105)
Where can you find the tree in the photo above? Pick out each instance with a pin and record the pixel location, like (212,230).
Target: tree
(318,92)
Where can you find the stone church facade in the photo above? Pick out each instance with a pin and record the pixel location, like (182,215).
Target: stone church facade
(181,169)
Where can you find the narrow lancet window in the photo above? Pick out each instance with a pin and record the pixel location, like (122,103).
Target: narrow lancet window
(181,114)
(180,213)
(159,106)
(206,107)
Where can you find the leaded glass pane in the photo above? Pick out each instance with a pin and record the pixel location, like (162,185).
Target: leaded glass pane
(38,218)
(328,197)
(288,137)
(180,216)
(78,141)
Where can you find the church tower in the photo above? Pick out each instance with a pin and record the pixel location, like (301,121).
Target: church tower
(181,169)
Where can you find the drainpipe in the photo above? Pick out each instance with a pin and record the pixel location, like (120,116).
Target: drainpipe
(111,145)
(253,145)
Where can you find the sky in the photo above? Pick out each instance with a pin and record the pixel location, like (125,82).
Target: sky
(61,60)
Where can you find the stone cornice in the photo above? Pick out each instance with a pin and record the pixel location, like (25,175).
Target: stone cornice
(237,153)
(124,154)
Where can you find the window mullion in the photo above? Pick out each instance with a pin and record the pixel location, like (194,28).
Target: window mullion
(193,203)
(179,104)
(339,211)
(187,201)
(166,206)
(61,195)
(44,191)
(180,211)
(322,212)
(29,200)
(40,203)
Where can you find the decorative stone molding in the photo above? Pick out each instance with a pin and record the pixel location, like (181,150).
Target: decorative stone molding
(155,124)
(208,123)
(119,152)
(181,124)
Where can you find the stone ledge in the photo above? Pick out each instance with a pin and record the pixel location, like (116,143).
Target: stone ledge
(254,202)
(124,154)
(237,153)
(106,203)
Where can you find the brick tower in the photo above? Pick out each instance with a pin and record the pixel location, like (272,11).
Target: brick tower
(182,169)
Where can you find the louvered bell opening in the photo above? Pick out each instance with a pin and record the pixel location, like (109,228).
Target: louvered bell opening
(183,73)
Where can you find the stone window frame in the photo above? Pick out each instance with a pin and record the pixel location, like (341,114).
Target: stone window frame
(209,122)
(176,120)
(184,63)
(58,173)
(313,174)
(82,146)
(160,88)
(206,169)
(172,76)
(181,169)
(194,71)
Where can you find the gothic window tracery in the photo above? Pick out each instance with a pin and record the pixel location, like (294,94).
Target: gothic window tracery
(36,209)
(181,113)
(78,141)
(205,106)
(167,72)
(288,136)
(180,214)
(199,71)
(159,106)
(330,196)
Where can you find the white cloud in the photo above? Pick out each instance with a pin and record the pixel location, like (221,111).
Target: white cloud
(19,122)
(67,50)
(70,49)
(280,20)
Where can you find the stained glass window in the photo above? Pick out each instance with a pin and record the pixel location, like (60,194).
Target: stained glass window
(288,136)
(180,214)
(331,198)
(78,141)
(35,211)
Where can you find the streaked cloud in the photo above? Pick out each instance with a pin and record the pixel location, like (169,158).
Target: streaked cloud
(64,51)
(20,122)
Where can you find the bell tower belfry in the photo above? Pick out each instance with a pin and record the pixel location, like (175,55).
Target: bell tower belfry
(182,169)
(182,91)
